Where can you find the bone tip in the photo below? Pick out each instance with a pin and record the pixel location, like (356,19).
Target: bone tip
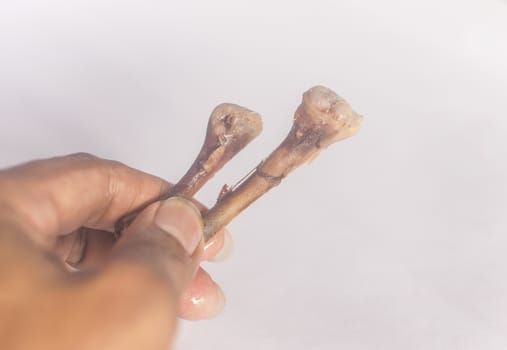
(236,120)
(324,107)
(321,97)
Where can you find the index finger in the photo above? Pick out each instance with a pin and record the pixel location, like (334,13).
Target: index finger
(59,195)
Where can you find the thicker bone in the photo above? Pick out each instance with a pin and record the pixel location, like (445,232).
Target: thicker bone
(322,119)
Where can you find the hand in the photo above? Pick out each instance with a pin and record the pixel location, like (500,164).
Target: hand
(127,292)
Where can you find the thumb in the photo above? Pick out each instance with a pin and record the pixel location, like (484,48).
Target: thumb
(163,239)
(140,287)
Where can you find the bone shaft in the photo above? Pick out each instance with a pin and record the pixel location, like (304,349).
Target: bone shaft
(268,174)
(187,187)
(234,203)
(192,181)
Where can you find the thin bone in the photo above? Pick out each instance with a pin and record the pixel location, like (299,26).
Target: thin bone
(230,129)
(322,119)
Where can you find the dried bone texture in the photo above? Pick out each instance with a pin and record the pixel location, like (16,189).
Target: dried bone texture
(230,128)
(322,119)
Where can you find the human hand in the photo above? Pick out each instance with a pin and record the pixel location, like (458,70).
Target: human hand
(128,292)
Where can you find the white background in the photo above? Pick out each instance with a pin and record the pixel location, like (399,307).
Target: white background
(394,239)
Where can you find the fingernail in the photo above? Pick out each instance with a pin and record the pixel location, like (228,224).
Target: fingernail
(226,249)
(182,220)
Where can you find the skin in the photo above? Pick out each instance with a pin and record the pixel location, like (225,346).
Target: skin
(124,293)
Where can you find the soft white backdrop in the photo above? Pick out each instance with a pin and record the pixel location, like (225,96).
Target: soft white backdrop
(395,239)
